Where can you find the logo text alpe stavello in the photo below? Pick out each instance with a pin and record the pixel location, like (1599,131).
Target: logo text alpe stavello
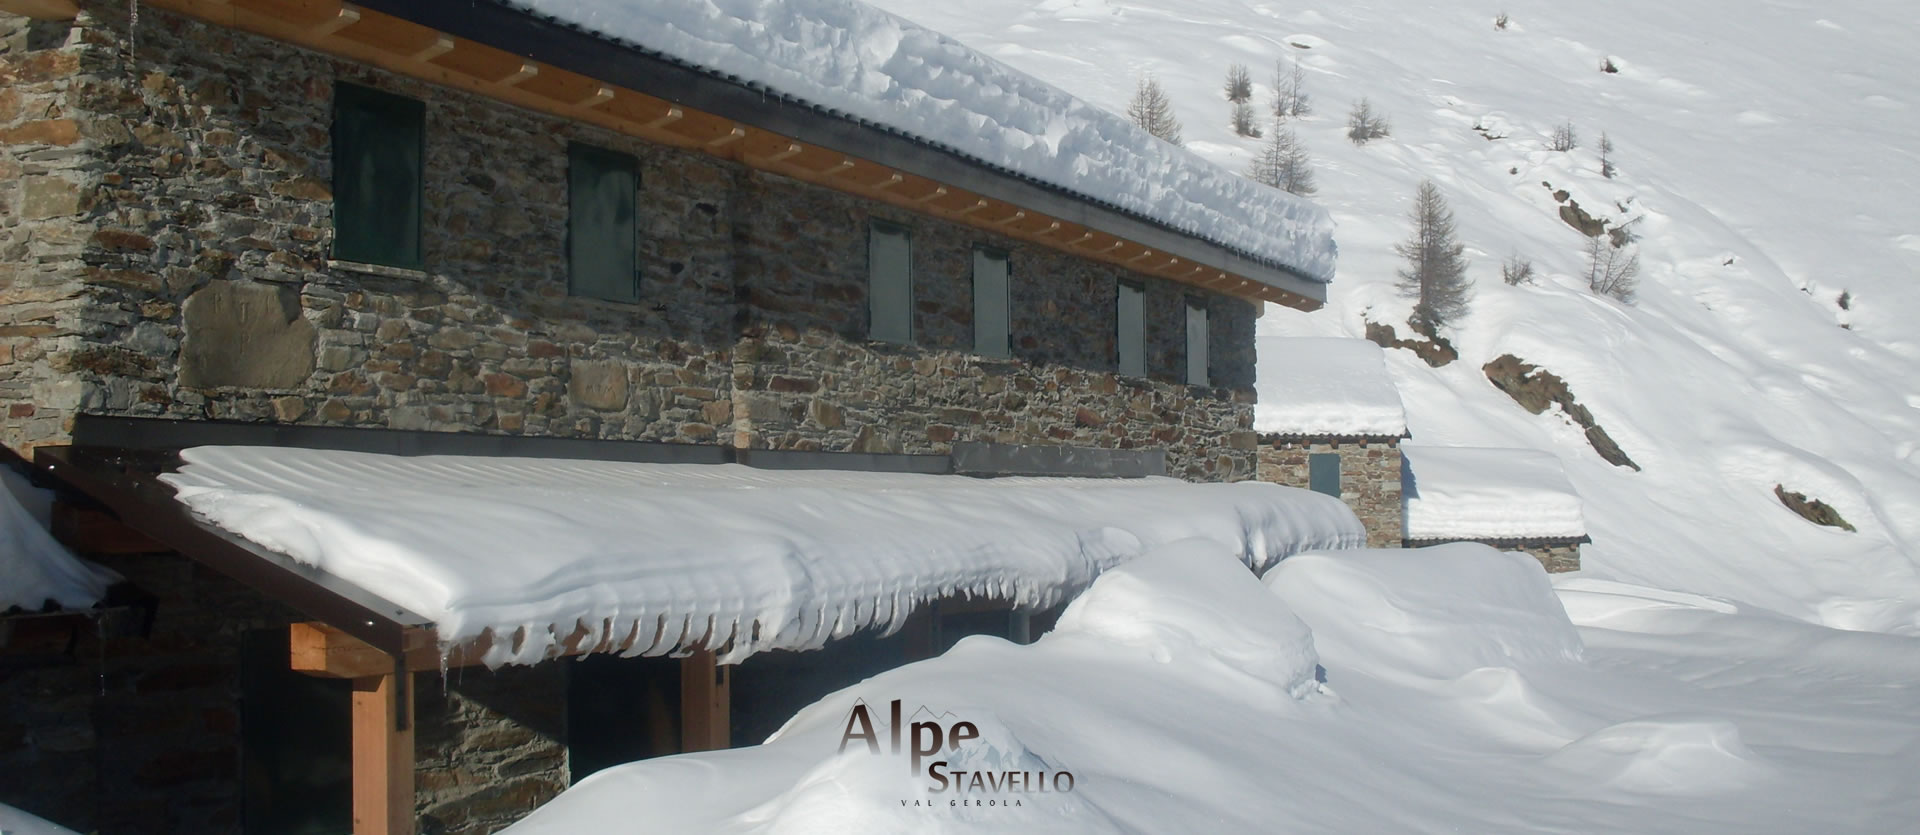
(931,739)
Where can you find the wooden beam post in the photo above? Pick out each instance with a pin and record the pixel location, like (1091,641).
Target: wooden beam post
(382,756)
(705,696)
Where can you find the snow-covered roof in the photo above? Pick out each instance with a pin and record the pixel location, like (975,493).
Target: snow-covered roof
(766,559)
(34,567)
(853,60)
(1325,386)
(1486,493)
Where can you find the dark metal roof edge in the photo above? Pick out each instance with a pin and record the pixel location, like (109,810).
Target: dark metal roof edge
(503,26)
(147,505)
(1499,541)
(1290,437)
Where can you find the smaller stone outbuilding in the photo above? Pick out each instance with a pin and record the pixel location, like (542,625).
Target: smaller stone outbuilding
(1329,419)
(1514,499)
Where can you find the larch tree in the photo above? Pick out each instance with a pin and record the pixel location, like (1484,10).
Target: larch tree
(1435,276)
(1152,110)
(1283,163)
(1239,87)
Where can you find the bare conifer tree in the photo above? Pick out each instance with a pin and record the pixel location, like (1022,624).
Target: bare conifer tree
(1243,120)
(1606,157)
(1436,272)
(1283,163)
(1364,125)
(1239,84)
(1612,270)
(1290,99)
(1564,138)
(1152,110)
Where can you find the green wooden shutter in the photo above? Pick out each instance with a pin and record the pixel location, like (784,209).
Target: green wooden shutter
(1131,328)
(889,283)
(1323,473)
(1197,342)
(990,314)
(379,152)
(602,257)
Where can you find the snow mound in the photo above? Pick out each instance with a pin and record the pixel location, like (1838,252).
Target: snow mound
(1319,386)
(1190,600)
(679,555)
(850,58)
(1665,755)
(15,822)
(1440,612)
(1482,493)
(34,567)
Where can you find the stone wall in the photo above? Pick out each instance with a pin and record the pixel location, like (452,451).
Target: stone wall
(1369,478)
(202,224)
(489,747)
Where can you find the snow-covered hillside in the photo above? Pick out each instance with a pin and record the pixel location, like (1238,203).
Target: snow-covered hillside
(1765,161)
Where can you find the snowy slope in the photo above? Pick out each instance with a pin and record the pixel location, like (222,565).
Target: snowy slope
(1765,151)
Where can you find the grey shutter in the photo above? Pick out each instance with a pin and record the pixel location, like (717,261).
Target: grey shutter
(990,314)
(1197,342)
(1132,329)
(602,257)
(889,283)
(1323,473)
(379,148)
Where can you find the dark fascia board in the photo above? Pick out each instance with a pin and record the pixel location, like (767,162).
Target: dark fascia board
(126,483)
(1269,438)
(868,462)
(592,55)
(987,459)
(158,434)
(1503,542)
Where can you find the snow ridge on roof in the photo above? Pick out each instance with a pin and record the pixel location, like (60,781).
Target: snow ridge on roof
(759,559)
(1325,386)
(846,57)
(34,567)
(1488,493)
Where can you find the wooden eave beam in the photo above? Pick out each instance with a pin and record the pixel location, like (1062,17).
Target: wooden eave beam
(41,9)
(407,48)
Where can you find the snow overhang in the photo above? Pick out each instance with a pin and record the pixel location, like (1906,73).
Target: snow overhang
(1505,496)
(503,559)
(1283,253)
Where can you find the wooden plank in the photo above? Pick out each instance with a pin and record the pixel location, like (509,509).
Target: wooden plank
(382,756)
(41,9)
(705,699)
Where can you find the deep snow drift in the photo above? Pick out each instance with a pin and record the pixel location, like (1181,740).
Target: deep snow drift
(1765,161)
(1438,689)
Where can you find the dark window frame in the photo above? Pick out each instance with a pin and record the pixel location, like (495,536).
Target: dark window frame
(1317,472)
(382,238)
(1004,350)
(1121,285)
(1199,304)
(876,225)
(580,154)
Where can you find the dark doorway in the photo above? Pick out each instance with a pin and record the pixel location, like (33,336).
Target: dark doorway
(620,710)
(296,742)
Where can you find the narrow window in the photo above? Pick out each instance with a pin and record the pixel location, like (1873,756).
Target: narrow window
(602,260)
(1323,473)
(1132,329)
(1196,342)
(889,283)
(378,156)
(990,331)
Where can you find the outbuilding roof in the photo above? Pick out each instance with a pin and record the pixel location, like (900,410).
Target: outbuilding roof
(1479,493)
(1310,386)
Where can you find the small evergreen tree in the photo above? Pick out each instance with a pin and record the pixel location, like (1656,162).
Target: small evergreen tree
(1243,120)
(1364,125)
(1606,157)
(1283,163)
(1239,84)
(1152,110)
(1436,273)
(1290,99)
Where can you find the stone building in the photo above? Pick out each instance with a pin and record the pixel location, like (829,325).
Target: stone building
(1329,419)
(467,228)
(1512,499)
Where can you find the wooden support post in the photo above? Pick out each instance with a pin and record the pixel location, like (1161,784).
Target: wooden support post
(382,756)
(705,695)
